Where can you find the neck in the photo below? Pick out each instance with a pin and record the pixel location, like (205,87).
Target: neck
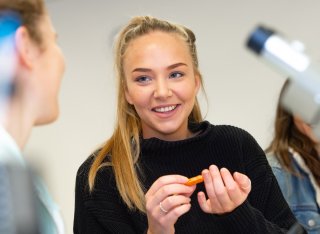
(18,123)
(179,134)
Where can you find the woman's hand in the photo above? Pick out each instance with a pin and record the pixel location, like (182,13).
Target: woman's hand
(166,200)
(225,192)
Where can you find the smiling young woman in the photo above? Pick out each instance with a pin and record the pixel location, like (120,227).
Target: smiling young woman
(161,84)
(138,181)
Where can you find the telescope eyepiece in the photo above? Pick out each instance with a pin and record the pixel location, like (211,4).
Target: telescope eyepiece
(258,38)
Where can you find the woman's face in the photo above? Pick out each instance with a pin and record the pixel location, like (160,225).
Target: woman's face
(48,72)
(161,84)
(306,129)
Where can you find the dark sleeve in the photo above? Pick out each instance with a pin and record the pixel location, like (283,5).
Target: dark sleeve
(100,211)
(265,210)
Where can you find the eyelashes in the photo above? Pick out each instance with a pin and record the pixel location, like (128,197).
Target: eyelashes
(147,79)
(176,75)
(142,79)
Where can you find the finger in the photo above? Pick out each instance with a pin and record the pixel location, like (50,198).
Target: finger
(208,182)
(166,191)
(232,187)
(191,190)
(243,181)
(173,189)
(164,180)
(203,203)
(175,213)
(171,202)
(219,187)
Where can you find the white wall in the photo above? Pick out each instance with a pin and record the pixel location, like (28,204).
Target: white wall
(242,91)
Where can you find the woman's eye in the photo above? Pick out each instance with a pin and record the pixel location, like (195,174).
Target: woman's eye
(176,75)
(142,79)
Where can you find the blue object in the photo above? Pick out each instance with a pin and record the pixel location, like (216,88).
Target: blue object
(9,22)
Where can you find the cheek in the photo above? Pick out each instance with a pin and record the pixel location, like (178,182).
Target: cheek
(128,98)
(137,97)
(129,94)
(62,63)
(59,62)
(187,93)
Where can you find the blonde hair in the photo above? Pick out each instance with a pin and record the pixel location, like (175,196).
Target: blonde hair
(123,148)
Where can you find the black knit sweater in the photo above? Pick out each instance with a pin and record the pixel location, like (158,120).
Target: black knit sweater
(265,210)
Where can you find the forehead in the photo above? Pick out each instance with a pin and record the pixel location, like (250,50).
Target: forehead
(157,46)
(157,37)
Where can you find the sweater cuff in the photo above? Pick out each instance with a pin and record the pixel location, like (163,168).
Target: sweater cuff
(239,219)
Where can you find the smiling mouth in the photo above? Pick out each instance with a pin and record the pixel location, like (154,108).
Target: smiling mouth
(165,109)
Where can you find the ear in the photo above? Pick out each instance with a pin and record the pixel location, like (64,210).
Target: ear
(27,50)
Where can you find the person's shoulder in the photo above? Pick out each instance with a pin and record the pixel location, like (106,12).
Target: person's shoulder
(234,136)
(82,185)
(228,131)
(273,160)
(283,175)
(228,128)
(86,165)
(103,171)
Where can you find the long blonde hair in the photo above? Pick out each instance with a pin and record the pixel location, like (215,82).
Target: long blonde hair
(123,148)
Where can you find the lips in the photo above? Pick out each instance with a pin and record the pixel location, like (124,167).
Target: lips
(164,109)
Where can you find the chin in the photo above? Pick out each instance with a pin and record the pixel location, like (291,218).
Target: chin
(47,119)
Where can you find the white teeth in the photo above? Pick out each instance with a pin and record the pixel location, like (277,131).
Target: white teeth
(165,109)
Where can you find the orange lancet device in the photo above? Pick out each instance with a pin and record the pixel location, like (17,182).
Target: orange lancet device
(194,180)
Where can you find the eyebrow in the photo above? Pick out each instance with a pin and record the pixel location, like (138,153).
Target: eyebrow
(141,69)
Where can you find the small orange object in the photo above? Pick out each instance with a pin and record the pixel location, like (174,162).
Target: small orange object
(194,180)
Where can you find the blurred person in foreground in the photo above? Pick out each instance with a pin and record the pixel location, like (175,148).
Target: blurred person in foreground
(33,94)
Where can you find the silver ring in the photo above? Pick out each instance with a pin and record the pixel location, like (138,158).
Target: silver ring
(161,208)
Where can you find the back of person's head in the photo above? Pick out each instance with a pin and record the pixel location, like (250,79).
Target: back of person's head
(30,12)
(38,70)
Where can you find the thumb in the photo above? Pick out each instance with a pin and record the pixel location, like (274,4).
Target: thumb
(243,181)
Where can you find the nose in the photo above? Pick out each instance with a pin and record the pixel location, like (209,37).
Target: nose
(162,90)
